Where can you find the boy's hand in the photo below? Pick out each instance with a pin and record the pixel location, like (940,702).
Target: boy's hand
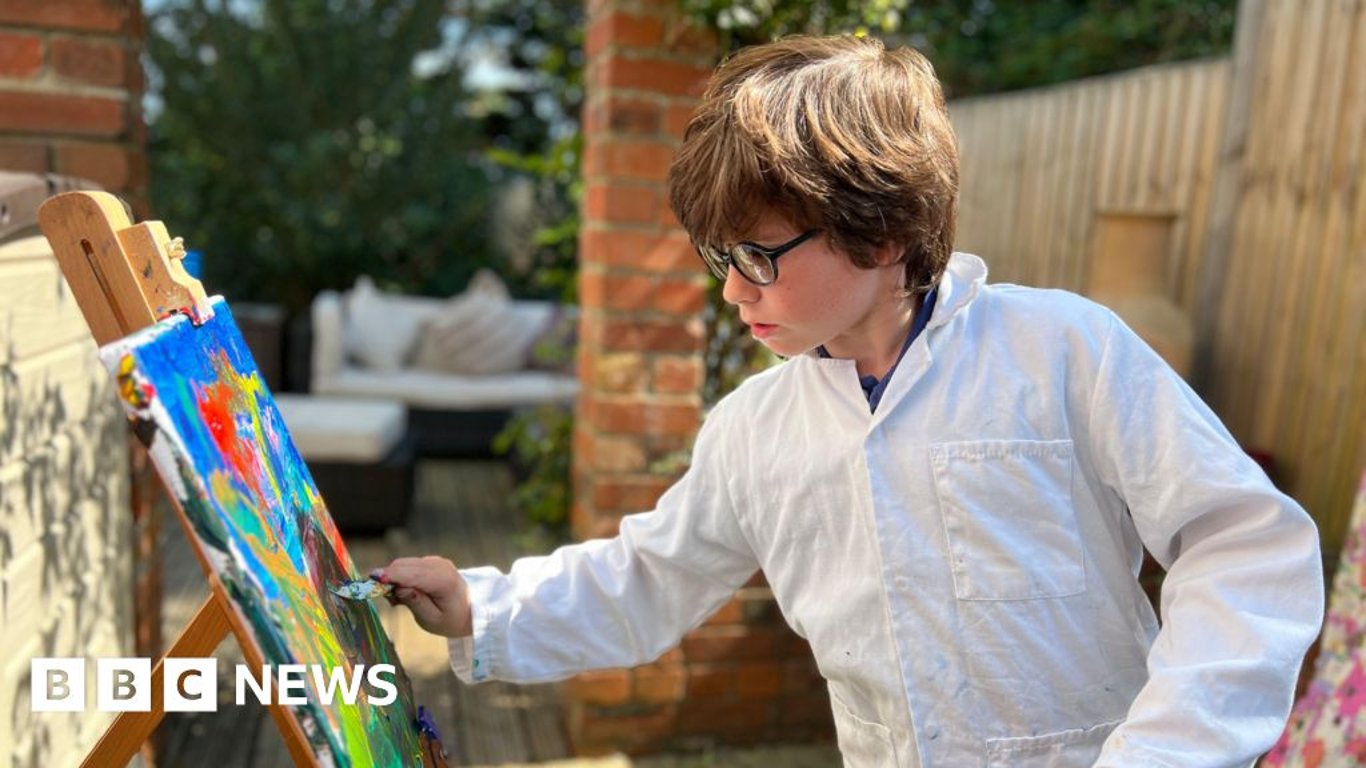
(433,590)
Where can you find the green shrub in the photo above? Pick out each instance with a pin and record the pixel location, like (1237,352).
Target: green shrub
(300,143)
(538,441)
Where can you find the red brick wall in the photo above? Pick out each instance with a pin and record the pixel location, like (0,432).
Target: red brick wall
(71,91)
(641,287)
(743,676)
(740,678)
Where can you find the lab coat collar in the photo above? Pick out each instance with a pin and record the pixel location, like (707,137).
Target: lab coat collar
(958,286)
(963,278)
(960,283)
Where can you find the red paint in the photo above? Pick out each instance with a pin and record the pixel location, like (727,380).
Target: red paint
(215,407)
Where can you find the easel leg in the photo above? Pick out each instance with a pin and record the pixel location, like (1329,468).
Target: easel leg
(129,730)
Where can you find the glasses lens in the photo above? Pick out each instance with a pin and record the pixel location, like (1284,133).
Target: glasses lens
(752,264)
(715,261)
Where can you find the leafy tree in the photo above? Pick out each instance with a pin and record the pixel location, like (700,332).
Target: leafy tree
(984,46)
(533,123)
(300,143)
(538,45)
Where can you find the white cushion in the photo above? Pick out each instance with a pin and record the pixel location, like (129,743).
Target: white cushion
(448,391)
(343,429)
(381,330)
(421,307)
(329,342)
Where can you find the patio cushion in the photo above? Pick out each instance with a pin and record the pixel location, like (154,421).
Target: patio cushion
(357,430)
(328,354)
(382,329)
(481,331)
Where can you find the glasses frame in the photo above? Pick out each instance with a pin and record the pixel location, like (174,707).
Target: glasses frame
(720,261)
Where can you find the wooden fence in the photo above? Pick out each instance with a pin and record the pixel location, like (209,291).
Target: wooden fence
(1261,159)
(1038,165)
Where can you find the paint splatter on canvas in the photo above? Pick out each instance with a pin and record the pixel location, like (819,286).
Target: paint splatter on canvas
(222,448)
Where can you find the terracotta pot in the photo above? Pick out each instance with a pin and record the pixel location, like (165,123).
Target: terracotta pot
(1128,274)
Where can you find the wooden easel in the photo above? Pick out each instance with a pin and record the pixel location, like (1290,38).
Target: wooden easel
(126,277)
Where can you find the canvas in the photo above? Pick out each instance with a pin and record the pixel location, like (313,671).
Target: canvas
(222,449)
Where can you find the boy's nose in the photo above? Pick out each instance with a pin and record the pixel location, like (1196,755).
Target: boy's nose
(738,290)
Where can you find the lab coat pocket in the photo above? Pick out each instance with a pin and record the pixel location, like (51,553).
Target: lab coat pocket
(1008,514)
(862,744)
(1064,749)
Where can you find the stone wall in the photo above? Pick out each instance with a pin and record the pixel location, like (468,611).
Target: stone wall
(70,552)
(66,547)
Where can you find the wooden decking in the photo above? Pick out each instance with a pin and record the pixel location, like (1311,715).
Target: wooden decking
(460,512)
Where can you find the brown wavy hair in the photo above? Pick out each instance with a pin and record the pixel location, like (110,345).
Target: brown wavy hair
(836,133)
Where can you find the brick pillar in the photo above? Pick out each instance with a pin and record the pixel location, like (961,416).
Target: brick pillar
(641,287)
(742,677)
(71,92)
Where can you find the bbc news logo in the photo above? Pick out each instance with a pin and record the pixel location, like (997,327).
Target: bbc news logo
(191,684)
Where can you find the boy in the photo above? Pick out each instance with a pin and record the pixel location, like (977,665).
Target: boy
(948,485)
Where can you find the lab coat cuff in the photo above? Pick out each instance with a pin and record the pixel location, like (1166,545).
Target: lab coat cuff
(462,657)
(474,657)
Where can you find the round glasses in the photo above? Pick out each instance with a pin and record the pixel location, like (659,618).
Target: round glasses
(755,263)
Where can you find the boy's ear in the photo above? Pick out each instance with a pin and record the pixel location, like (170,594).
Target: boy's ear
(888,254)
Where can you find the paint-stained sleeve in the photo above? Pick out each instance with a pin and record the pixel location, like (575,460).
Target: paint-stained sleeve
(1243,595)
(613,602)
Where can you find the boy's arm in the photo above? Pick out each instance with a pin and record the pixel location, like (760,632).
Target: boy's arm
(612,602)
(1243,595)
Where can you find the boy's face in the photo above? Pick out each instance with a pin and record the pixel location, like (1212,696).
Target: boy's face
(820,297)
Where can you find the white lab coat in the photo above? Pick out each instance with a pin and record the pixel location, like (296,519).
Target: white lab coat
(963,561)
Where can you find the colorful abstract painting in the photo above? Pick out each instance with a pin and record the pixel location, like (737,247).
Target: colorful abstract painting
(222,449)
